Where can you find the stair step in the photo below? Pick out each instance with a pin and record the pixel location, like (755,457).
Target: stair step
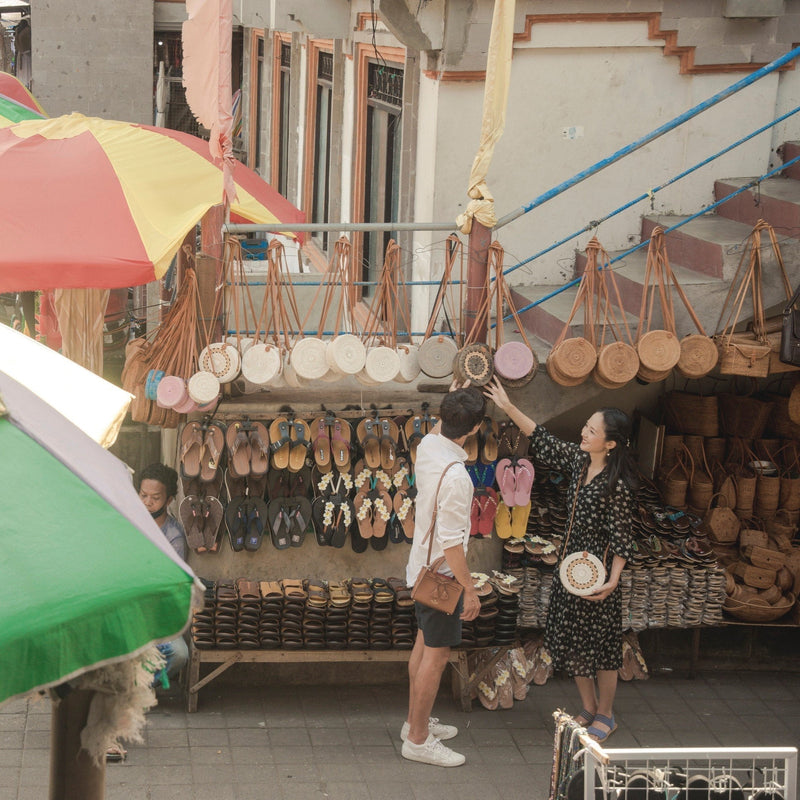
(788,151)
(547,320)
(778,203)
(710,245)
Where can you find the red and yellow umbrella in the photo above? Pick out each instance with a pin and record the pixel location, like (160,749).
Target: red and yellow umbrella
(89,202)
(16,102)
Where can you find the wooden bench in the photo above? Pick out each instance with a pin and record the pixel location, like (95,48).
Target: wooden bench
(462,680)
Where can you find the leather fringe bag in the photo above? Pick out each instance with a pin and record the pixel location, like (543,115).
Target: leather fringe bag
(431,588)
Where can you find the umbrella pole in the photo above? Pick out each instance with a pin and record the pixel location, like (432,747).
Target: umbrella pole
(73,773)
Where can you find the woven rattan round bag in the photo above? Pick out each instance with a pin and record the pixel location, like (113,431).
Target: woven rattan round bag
(582,573)
(699,355)
(617,364)
(435,356)
(574,358)
(474,363)
(515,364)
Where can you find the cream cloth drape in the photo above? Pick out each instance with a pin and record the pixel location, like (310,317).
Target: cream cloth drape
(81,313)
(495,101)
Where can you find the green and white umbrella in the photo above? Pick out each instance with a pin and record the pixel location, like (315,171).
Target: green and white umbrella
(88,578)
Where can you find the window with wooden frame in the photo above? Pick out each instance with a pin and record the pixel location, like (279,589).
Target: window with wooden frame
(280,113)
(318,137)
(256,95)
(378,143)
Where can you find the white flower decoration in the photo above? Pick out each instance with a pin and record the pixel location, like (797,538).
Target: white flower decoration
(380,507)
(363,512)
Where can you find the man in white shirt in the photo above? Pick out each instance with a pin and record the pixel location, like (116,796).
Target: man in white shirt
(460,415)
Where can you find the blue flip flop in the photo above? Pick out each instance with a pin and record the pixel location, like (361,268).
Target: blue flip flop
(596,733)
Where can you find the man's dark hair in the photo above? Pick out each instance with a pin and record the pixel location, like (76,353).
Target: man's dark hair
(163,474)
(461,411)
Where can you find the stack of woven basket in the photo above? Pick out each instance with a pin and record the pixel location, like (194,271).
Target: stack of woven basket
(762,584)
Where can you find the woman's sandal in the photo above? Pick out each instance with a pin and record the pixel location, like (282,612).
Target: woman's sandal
(595,732)
(584,719)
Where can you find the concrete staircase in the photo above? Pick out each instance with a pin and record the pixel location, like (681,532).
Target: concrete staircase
(704,255)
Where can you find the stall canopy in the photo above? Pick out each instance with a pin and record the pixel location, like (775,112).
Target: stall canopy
(93,203)
(16,102)
(88,578)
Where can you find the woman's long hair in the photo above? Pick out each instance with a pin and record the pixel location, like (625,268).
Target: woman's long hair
(621,463)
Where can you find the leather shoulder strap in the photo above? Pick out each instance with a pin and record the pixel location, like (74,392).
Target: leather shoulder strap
(429,535)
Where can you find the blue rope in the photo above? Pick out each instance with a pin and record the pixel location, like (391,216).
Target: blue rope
(596,223)
(646,242)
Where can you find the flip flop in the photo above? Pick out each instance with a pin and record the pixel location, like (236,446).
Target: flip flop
(488,501)
(388,445)
(236,437)
(340,524)
(213,449)
(506,481)
(471,448)
(214,513)
(519,520)
(236,523)
(191,449)
(404,510)
(259,448)
(502,521)
(341,435)
(523,483)
(299,519)
(414,434)
(301,441)
(322,444)
(381,511)
(235,485)
(280,442)
(370,442)
(278,523)
(474,514)
(256,523)
(489,436)
(362,503)
(189,512)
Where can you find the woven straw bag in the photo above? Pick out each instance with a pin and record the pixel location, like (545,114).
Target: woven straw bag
(748,353)
(721,522)
(686,412)
(675,483)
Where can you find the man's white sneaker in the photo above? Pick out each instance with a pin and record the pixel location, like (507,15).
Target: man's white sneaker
(432,751)
(435,728)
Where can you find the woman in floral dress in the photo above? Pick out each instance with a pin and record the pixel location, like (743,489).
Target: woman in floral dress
(584,633)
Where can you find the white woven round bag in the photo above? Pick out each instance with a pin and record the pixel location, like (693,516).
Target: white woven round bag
(582,573)
(346,354)
(382,364)
(308,358)
(220,359)
(409,363)
(261,363)
(203,387)
(289,374)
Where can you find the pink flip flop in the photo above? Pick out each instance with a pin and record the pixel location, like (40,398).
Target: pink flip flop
(523,473)
(506,481)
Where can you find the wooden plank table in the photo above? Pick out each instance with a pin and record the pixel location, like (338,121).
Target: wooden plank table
(463,681)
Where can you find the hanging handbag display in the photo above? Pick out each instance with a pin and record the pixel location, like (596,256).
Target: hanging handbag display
(790,332)
(581,573)
(431,588)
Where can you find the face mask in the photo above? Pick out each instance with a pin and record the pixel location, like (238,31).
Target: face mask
(159,512)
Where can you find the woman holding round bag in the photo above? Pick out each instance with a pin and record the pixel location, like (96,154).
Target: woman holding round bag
(583,633)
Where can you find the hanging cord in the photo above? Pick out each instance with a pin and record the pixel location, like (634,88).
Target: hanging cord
(583,299)
(453,251)
(605,275)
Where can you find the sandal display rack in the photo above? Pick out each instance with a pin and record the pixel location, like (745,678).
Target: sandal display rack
(674,773)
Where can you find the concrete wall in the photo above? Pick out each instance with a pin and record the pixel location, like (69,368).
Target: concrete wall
(94,57)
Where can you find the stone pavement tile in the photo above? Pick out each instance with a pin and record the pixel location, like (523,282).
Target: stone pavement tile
(249,737)
(491,737)
(211,756)
(158,737)
(332,753)
(35,739)
(300,772)
(342,790)
(35,776)
(538,755)
(507,755)
(528,737)
(465,790)
(256,790)
(11,739)
(35,757)
(9,779)
(162,756)
(390,790)
(330,736)
(208,737)
(379,735)
(290,755)
(252,755)
(8,759)
(205,774)
(345,771)
(253,773)
(13,722)
(291,737)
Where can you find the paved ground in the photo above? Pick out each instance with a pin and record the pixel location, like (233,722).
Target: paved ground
(308,742)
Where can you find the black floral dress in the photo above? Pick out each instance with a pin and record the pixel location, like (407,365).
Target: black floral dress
(583,636)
